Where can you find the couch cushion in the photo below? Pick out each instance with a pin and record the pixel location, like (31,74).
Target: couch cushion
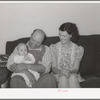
(91,83)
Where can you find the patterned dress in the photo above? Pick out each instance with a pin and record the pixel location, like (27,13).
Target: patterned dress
(66,58)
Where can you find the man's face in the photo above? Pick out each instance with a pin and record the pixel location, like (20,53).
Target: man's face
(36,40)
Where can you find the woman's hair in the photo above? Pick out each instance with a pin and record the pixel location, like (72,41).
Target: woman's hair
(71,29)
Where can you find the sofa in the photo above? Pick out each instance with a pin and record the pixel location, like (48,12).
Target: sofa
(89,66)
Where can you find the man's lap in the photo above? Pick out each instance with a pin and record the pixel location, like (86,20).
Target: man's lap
(45,81)
(17,82)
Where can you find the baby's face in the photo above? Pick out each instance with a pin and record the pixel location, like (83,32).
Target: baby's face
(22,50)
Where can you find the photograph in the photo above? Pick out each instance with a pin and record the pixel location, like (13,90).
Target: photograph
(49,49)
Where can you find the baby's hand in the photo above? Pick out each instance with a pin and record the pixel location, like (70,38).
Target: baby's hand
(27,58)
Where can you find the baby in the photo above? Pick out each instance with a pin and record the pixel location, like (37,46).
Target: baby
(24,57)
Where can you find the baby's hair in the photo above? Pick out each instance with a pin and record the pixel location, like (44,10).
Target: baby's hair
(20,44)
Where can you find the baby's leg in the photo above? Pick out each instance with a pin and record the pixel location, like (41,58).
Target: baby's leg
(30,76)
(36,74)
(63,82)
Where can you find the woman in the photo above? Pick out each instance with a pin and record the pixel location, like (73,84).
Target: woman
(66,57)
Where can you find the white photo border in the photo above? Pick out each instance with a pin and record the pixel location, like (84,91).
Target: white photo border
(65,93)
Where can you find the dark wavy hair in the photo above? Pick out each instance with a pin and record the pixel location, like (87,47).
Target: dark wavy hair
(71,29)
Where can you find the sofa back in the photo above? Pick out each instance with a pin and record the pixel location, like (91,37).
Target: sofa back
(90,64)
(10,45)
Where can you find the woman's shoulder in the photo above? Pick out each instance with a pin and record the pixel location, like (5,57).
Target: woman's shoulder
(55,45)
(79,47)
(79,51)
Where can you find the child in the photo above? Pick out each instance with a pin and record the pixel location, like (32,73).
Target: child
(23,57)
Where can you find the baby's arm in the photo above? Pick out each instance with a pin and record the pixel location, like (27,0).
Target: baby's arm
(28,62)
(29,59)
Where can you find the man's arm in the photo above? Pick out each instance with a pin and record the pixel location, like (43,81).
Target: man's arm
(37,67)
(17,67)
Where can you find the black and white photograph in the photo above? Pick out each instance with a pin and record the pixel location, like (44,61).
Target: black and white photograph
(49,48)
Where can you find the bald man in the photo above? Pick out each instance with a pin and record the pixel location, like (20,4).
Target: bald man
(42,64)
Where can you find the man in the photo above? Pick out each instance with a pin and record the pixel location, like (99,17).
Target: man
(42,64)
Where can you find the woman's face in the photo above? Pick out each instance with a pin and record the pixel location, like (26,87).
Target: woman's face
(64,37)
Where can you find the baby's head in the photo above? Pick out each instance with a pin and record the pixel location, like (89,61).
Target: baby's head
(22,49)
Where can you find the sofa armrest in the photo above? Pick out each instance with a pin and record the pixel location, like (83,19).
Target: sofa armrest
(4,74)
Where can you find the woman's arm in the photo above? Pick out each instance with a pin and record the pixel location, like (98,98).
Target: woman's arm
(63,71)
(54,65)
(76,67)
(78,59)
(56,70)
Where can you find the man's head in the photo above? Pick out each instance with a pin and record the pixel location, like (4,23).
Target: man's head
(37,38)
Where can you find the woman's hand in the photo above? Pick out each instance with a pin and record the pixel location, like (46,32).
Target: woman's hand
(66,72)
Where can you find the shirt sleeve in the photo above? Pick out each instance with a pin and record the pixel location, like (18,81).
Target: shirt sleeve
(80,53)
(53,55)
(46,61)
